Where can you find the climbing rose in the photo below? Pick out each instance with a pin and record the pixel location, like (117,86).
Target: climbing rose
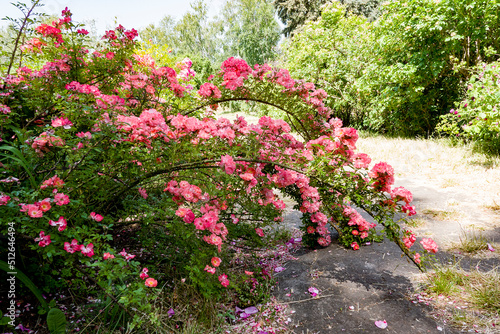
(61,223)
(96,217)
(417,257)
(355,246)
(44,205)
(401,194)
(61,199)
(72,247)
(216,261)
(43,240)
(87,250)
(4,199)
(223,280)
(409,210)
(227,162)
(126,255)
(151,282)
(64,122)
(34,211)
(209,269)
(107,256)
(409,241)
(259,232)
(143,193)
(144,273)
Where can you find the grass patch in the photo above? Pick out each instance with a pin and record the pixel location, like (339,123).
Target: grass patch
(416,223)
(441,214)
(468,300)
(446,281)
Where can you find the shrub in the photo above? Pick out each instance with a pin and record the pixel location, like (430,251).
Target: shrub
(116,172)
(401,72)
(477,117)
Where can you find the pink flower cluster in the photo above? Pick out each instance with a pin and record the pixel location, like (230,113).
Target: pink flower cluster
(227,162)
(45,140)
(361,160)
(209,90)
(54,182)
(43,240)
(149,125)
(186,72)
(183,191)
(4,109)
(95,216)
(33,45)
(186,214)
(126,255)
(4,199)
(61,223)
(234,71)
(37,209)
(383,175)
(75,247)
(62,121)
(50,31)
(401,194)
(223,280)
(429,245)
(355,219)
(409,240)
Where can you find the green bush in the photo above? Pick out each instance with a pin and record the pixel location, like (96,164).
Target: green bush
(477,117)
(400,73)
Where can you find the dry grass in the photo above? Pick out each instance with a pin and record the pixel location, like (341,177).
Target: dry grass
(440,163)
(493,207)
(442,214)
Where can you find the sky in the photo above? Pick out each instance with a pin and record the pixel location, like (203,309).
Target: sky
(130,13)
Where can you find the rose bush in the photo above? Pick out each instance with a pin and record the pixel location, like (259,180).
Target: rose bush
(99,141)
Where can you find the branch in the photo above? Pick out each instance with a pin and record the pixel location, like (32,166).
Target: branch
(21,29)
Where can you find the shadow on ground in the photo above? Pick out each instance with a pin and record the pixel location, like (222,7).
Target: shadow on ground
(360,287)
(356,289)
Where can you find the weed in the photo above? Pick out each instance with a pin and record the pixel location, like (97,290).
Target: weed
(472,242)
(446,281)
(486,294)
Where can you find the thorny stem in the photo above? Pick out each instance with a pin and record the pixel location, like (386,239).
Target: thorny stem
(20,33)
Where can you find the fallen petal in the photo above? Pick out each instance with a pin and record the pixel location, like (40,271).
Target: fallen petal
(382,324)
(490,248)
(313,291)
(251,310)
(279,269)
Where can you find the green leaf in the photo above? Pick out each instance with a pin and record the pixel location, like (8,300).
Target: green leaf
(56,320)
(23,278)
